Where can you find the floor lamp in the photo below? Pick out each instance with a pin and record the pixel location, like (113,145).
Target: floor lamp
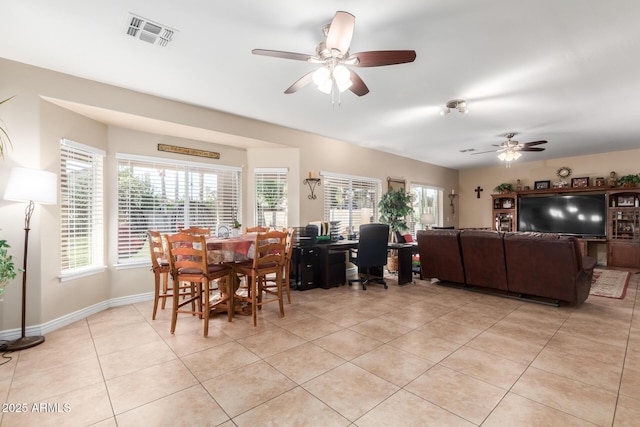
(32,186)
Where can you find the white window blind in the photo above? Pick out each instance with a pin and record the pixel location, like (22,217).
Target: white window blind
(81,207)
(164,195)
(351,200)
(426,200)
(271,197)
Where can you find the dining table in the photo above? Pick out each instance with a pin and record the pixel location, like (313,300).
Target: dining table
(230,249)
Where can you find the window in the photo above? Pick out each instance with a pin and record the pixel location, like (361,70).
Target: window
(426,200)
(165,195)
(81,209)
(271,197)
(351,200)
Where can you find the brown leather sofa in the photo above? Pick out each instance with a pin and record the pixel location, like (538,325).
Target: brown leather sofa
(523,265)
(484,259)
(440,255)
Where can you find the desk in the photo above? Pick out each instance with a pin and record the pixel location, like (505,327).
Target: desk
(313,267)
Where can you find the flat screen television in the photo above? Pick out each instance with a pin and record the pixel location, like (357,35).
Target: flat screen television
(581,215)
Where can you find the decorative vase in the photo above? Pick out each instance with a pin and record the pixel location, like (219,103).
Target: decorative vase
(392,263)
(235,232)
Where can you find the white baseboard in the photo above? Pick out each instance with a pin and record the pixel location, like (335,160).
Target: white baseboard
(67,319)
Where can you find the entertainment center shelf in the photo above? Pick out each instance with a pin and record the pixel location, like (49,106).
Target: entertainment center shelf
(620,224)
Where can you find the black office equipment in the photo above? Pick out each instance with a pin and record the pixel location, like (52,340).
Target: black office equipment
(371,253)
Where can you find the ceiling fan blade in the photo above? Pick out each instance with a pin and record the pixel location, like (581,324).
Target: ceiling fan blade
(531,149)
(384,57)
(531,144)
(485,152)
(281,54)
(358,87)
(341,32)
(300,83)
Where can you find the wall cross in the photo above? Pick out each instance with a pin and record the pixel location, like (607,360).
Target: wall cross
(478,190)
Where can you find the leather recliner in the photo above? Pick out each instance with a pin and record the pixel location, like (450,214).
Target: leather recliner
(440,254)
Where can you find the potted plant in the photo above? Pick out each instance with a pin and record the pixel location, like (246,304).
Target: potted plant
(395,206)
(235,228)
(630,180)
(504,188)
(5,142)
(7,268)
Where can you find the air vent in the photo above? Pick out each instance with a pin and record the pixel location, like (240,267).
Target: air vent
(149,31)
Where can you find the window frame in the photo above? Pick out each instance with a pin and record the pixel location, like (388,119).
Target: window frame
(373,184)
(174,207)
(81,155)
(420,208)
(280,176)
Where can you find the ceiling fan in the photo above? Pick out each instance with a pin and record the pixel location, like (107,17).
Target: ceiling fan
(511,145)
(509,150)
(334,58)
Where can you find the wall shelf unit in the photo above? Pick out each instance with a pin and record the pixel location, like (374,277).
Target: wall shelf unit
(623,228)
(623,220)
(505,212)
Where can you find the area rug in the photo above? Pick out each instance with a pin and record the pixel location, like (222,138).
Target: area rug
(609,283)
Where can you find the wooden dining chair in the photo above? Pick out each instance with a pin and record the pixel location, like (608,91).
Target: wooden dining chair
(286,274)
(196,230)
(268,258)
(161,268)
(188,260)
(257,229)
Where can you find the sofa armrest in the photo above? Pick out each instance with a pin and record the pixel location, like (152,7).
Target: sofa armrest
(588,263)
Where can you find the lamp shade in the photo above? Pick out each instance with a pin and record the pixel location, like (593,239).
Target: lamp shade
(26,185)
(427,219)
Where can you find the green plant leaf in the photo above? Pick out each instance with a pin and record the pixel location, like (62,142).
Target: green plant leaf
(395,206)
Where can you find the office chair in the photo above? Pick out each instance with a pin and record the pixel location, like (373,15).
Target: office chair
(371,253)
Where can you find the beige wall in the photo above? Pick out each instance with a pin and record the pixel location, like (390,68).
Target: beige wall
(477,212)
(59,298)
(36,127)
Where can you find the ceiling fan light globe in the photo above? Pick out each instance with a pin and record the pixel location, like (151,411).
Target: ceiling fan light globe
(341,74)
(516,155)
(321,77)
(344,86)
(327,87)
(502,156)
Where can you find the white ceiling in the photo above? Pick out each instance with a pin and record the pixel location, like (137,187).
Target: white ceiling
(564,71)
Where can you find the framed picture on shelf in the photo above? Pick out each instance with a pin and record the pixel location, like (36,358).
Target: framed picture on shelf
(625,201)
(542,185)
(625,228)
(579,182)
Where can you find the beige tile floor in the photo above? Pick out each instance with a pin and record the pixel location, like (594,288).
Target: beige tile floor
(420,354)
